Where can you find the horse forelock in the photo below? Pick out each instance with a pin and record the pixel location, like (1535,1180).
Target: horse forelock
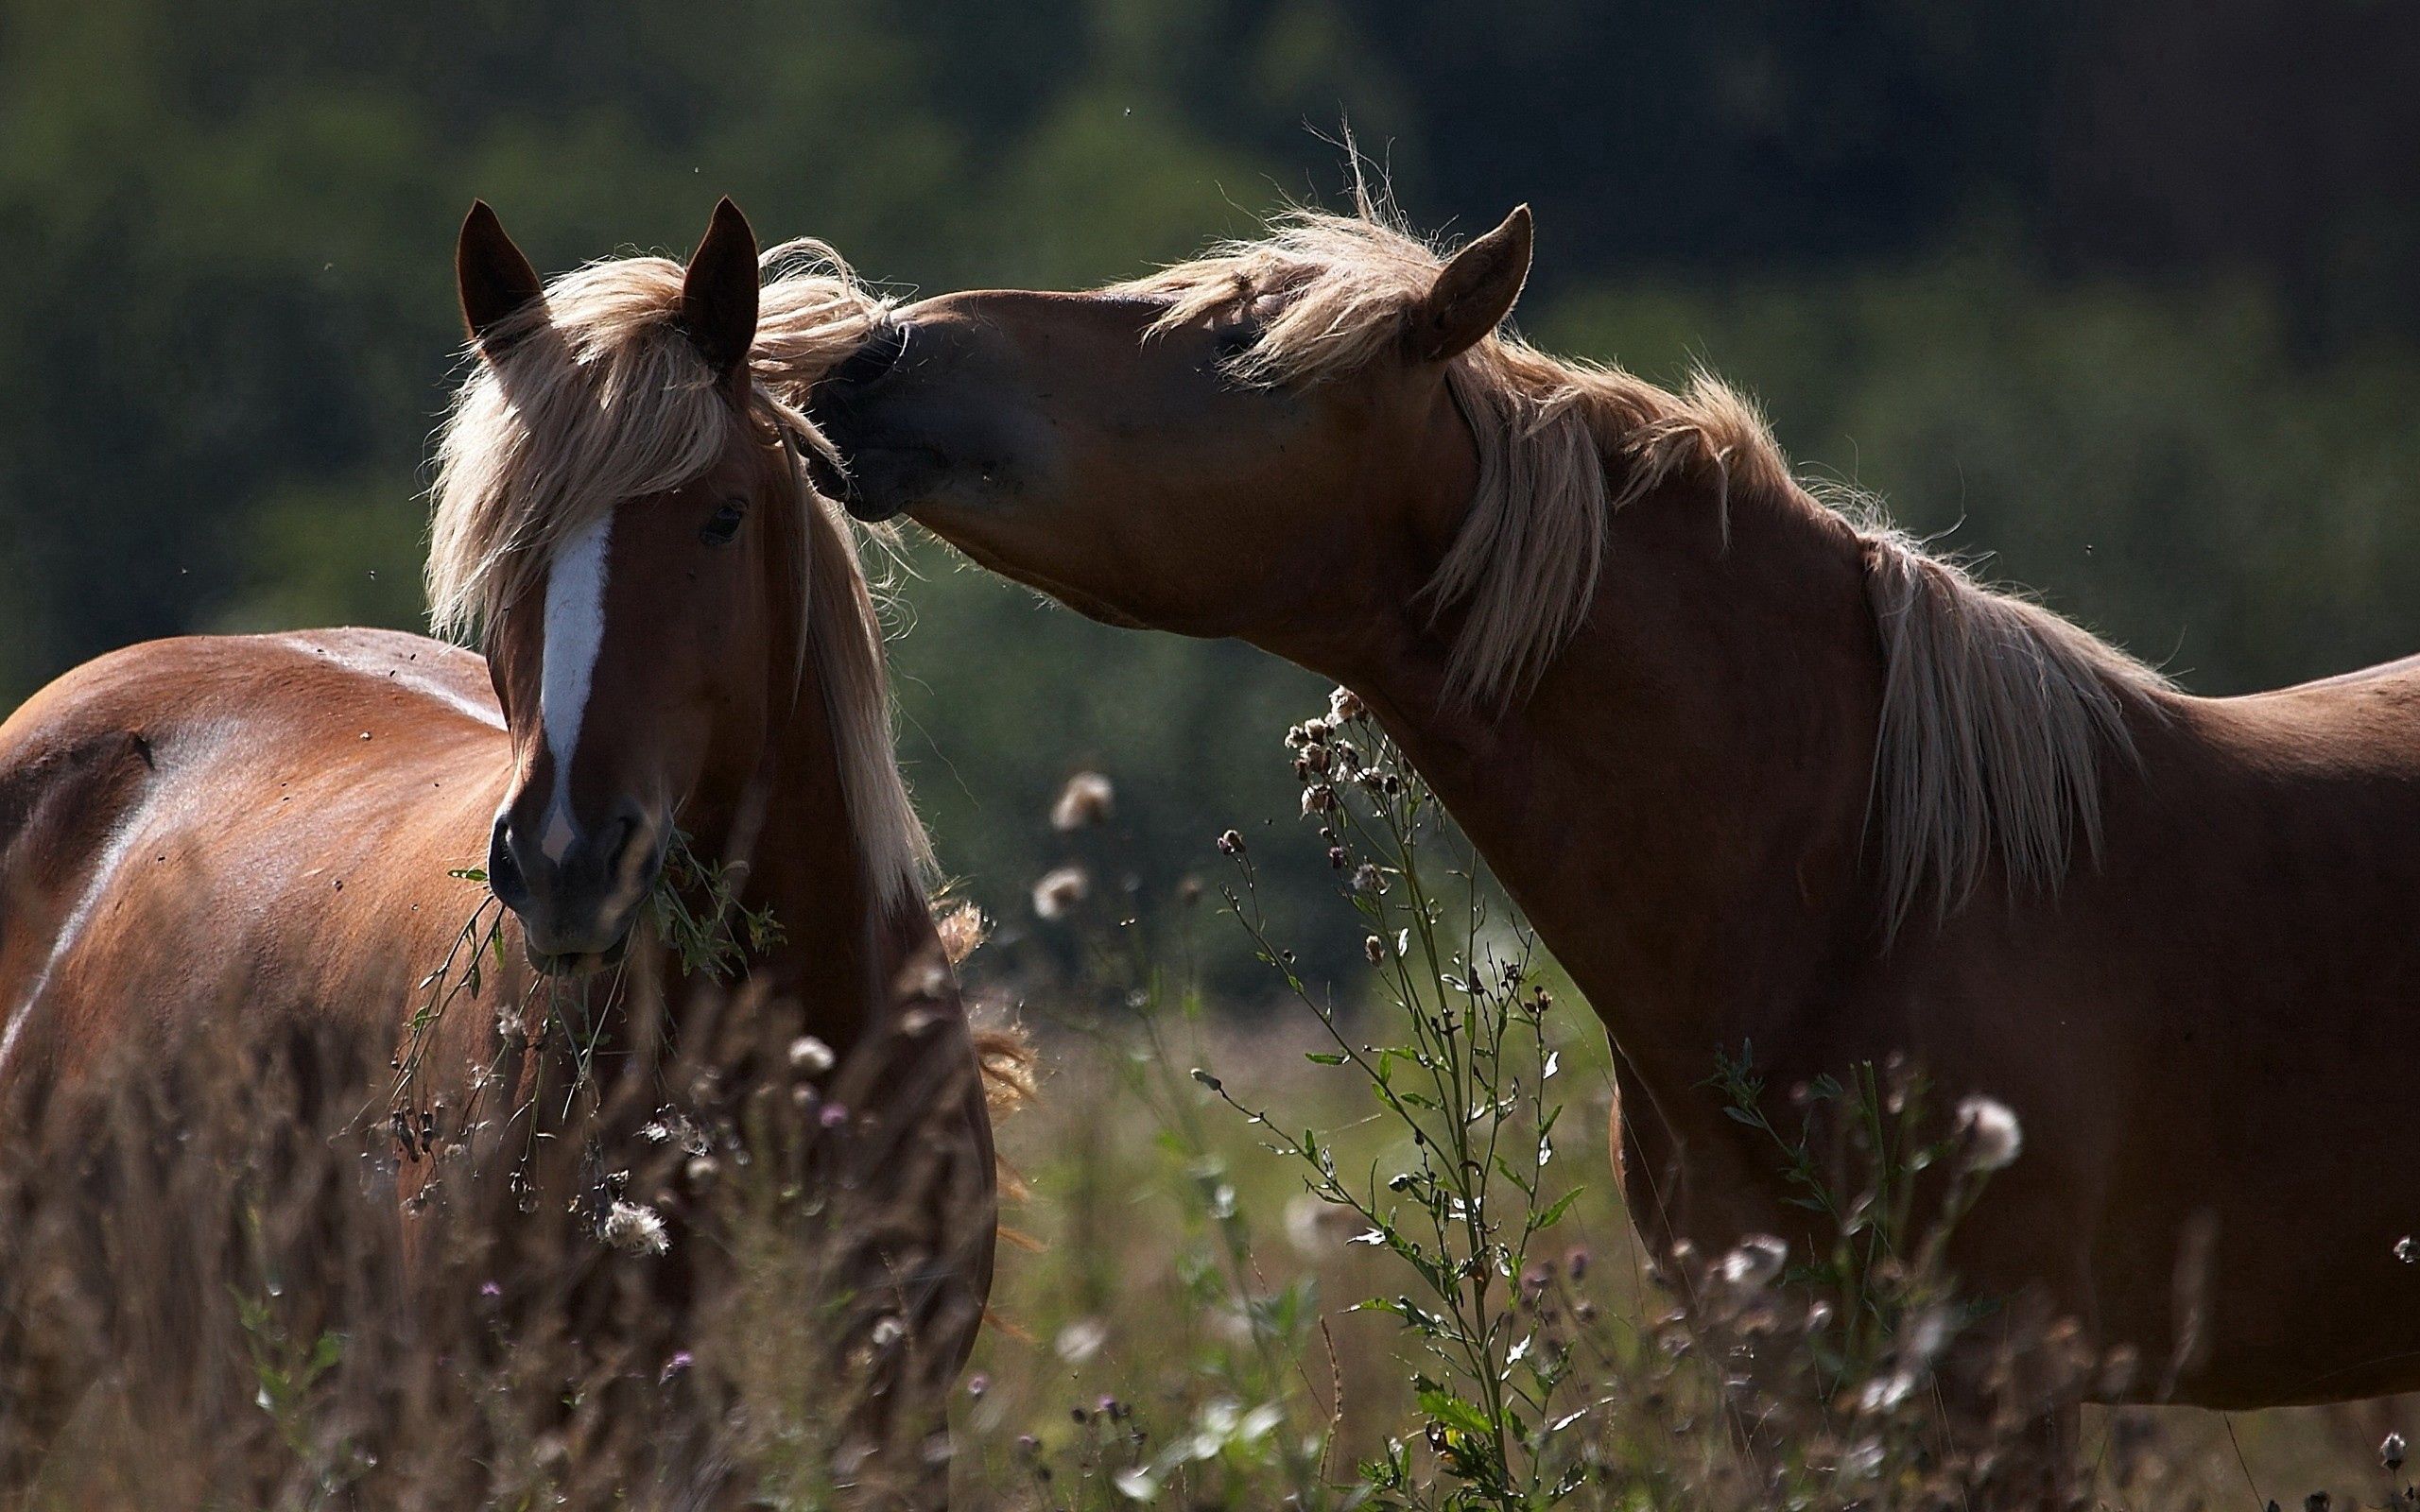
(601,398)
(1994,711)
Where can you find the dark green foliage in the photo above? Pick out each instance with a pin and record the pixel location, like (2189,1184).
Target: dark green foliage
(2125,290)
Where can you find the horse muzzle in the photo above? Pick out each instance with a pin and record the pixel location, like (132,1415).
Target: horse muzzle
(576,905)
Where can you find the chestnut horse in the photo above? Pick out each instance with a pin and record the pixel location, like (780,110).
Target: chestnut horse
(681,650)
(1759,769)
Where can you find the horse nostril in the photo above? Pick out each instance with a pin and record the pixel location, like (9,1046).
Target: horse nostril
(629,828)
(504,872)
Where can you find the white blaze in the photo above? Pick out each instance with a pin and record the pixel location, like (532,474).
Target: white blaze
(574,633)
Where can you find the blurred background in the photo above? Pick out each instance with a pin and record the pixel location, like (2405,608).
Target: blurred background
(2125,294)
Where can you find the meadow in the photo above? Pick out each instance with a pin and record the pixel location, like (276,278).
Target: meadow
(1337,1245)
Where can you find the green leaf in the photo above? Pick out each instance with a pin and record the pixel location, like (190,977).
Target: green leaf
(1452,1411)
(1554,1214)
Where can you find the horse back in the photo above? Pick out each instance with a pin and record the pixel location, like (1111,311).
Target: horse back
(251,824)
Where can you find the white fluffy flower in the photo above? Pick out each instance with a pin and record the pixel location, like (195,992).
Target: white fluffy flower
(1757,1262)
(636,1228)
(1057,894)
(1086,800)
(810,1056)
(1992,1138)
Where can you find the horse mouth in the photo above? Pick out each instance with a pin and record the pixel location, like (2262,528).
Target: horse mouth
(576,963)
(884,479)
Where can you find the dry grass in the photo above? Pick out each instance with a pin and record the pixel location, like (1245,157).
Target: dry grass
(201,1303)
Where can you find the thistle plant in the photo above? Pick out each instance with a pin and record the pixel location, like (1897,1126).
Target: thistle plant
(697,914)
(1464,1084)
(698,917)
(1885,1264)
(1252,1427)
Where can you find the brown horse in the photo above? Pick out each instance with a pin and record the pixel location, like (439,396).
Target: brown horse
(1759,769)
(681,650)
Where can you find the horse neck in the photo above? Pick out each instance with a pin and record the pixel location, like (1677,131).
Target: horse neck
(1678,805)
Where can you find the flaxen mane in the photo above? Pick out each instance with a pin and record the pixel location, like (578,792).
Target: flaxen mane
(597,397)
(1994,711)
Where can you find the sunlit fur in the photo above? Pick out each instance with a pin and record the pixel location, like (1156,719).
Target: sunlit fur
(598,397)
(1996,711)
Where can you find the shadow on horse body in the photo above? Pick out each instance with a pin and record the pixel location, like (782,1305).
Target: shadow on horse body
(224,839)
(1759,769)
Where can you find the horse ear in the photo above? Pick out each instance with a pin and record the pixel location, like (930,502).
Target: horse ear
(1475,292)
(719,296)
(496,282)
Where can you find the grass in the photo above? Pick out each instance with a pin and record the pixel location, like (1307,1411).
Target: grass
(1338,1247)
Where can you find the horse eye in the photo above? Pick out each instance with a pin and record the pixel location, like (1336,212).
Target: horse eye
(724,527)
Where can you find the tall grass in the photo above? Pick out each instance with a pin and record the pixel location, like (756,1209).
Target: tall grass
(1351,1244)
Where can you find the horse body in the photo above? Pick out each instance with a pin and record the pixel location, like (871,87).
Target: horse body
(1764,774)
(214,792)
(2184,1026)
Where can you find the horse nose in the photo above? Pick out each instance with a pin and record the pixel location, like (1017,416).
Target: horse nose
(582,899)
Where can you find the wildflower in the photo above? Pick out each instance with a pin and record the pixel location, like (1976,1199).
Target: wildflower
(1369,878)
(636,1228)
(1757,1262)
(2405,1251)
(1344,706)
(1319,799)
(977,1385)
(887,1331)
(834,1115)
(1576,1262)
(1058,893)
(1231,843)
(681,1360)
(810,1055)
(490,1289)
(1376,948)
(2390,1452)
(1992,1138)
(1085,801)
(1336,857)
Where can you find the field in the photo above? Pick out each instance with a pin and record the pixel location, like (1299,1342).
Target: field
(1238,1273)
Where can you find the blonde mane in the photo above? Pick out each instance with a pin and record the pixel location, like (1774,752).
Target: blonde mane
(597,397)
(1994,711)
